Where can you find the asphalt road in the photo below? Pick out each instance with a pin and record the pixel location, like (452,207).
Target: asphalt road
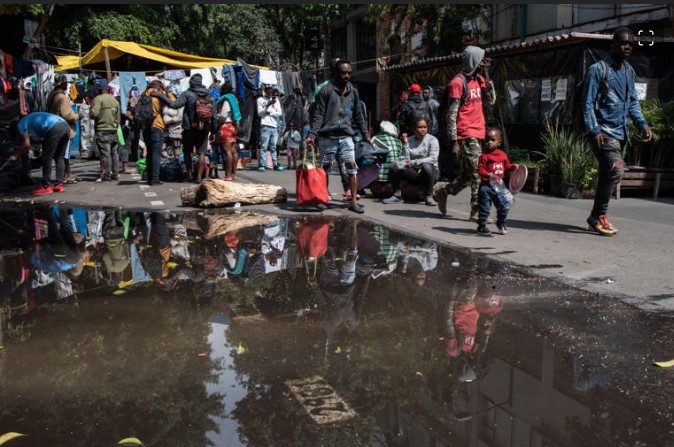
(548,235)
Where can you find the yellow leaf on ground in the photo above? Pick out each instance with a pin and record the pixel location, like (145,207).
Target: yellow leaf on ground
(171,264)
(240,349)
(338,350)
(130,441)
(667,364)
(9,436)
(119,292)
(419,373)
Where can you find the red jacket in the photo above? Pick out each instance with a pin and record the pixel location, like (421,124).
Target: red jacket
(495,162)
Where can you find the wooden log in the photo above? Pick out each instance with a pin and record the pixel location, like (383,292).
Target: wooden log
(217,193)
(191,195)
(218,224)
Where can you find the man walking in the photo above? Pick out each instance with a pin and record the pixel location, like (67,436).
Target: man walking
(270,112)
(106,114)
(466,126)
(336,105)
(609,101)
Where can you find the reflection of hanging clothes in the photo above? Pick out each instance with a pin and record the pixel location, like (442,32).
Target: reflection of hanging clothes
(236,260)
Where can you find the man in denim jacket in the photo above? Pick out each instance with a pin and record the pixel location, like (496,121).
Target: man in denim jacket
(606,112)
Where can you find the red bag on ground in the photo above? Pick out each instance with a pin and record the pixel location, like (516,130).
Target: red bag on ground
(311,183)
(312,238)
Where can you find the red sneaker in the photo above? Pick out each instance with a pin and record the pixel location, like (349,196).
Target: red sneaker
(58,187)
(42,190)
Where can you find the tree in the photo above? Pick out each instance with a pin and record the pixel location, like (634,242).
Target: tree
(443,26)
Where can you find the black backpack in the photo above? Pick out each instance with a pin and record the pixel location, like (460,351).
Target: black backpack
(143,112)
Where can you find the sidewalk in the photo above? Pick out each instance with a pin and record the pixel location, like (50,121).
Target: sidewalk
(547,235)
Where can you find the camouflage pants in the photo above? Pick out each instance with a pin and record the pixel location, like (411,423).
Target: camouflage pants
(470,150)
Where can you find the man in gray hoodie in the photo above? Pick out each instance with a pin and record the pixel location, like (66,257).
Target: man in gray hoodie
(336,107)
(195,129)
(466,125)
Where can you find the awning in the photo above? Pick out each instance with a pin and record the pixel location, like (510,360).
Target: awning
(117,49)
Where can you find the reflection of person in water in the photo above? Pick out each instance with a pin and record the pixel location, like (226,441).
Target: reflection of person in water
(465,319)
(416,260)
(58,251)
(336,279)
(116,256)
(155,257)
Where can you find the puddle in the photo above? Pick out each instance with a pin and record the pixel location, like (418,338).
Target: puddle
(245,329)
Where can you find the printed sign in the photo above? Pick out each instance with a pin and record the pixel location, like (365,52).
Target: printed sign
(560,90)
(320,400)
(546,90)
(642,89)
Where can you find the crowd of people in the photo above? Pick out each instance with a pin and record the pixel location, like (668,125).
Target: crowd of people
(433,135)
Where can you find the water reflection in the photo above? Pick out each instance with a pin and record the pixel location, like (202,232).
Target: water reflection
(249,329)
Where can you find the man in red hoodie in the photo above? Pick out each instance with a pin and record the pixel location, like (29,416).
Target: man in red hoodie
(491,166)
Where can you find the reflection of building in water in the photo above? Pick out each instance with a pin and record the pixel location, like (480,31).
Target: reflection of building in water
(530,395)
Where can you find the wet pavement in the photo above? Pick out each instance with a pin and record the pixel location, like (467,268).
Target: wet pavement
(254,329)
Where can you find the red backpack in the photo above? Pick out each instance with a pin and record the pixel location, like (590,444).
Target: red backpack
(203,112)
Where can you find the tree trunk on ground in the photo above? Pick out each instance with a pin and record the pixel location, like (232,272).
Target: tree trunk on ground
(215,193)
(218,224)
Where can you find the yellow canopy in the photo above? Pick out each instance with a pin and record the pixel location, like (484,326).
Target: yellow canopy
(116,49)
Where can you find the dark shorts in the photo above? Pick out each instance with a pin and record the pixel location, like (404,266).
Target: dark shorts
(195,140)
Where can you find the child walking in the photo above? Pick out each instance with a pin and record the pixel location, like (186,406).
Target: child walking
(493,163)
(293,140)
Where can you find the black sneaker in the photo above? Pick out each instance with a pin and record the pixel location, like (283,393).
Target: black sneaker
(483,230)
(501,228)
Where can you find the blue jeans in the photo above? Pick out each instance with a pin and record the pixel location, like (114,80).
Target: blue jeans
(268,137)
(485,197)
(329,147)
(611,170)
(154,141)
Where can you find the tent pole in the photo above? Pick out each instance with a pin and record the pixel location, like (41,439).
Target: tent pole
(107,63)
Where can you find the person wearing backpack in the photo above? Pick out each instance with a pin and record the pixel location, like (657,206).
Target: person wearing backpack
(466,126)
(609,102)
(415,107)
(199,119)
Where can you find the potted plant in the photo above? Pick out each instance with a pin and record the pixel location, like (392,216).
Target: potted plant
(569,158)
(657,153)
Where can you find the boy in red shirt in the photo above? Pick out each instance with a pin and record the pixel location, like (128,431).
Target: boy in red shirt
(492,163)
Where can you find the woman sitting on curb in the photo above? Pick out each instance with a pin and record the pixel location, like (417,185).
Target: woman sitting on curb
(419,163)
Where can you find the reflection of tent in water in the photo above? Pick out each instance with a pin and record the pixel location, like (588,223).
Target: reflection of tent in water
(131,56)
